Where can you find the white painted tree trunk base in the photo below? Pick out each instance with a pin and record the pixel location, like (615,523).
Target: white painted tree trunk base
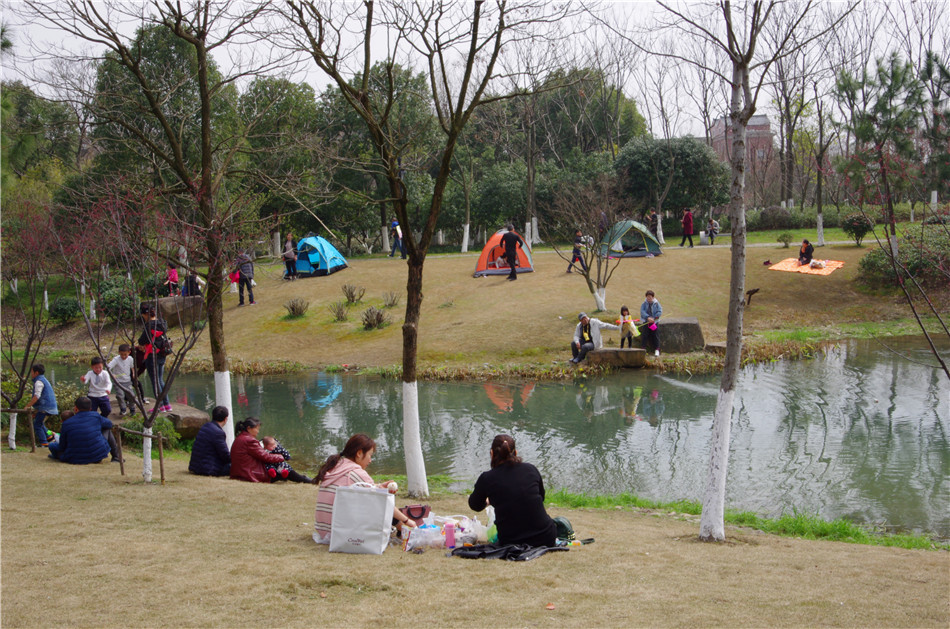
(465,238)
(820,227)
(147,456)
(11,438)
(535,239)
(659,231)
(711,523)
(600,298)
(385,238)
(418,484)
(222,397)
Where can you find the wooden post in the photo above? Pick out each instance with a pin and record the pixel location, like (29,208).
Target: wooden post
(29,420)
(161,458)
(118,443)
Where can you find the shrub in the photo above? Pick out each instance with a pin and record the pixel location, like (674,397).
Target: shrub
(297,307)
(775,217)
(338,310)
(353,294)
(857,226)
(374,318)
(924,252)
(938,219)
(785,238)
(117,299)
(162,425)
(390,300)
(155,287)
(64,309)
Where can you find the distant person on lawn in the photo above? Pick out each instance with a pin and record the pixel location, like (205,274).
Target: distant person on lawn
(511,241)
(805,253)
(209,453)
(587,336)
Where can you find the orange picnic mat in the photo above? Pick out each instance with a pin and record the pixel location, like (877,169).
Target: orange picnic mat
(791,265)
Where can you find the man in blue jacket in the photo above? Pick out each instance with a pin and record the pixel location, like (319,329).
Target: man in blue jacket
(209,453)
(43,400)
(80,439)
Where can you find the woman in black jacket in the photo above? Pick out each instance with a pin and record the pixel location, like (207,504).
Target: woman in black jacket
(516,491)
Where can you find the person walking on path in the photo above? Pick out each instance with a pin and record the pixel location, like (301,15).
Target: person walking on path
(576,254)
(510,241)
(245,268)
(687,228)
(395,234)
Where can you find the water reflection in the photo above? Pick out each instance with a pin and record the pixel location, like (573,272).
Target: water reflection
(860,432)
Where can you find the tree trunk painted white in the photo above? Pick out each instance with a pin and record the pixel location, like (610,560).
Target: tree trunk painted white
(527,232)
(275,241)
(11,438)
(147,456)
(711,524)
(45,300)
(791,204)
(92,309)
(384,231)
(439,238)
(659,231)
(821,230)
(600,298)
(105,271)
(222,397)
(535,238)
(465,238)
(418,484)
(933,204)
(13,285)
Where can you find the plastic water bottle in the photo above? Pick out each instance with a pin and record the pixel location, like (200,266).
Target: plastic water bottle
(450,534)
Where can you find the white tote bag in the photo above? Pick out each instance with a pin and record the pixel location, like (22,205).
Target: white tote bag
(362,520)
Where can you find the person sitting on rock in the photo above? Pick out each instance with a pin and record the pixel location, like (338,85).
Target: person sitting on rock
(587,336)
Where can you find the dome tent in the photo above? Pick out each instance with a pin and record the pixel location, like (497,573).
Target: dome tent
(629,239)
(316,256)
(492,260)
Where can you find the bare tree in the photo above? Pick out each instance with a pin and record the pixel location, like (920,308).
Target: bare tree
(195,167)
(737,36)
(460,46)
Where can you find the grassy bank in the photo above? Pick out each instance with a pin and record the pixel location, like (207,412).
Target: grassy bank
(489,327)
(110,552)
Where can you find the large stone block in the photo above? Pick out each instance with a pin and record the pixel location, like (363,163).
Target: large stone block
(679,335)
(617,357)
(186,419)
(181,310)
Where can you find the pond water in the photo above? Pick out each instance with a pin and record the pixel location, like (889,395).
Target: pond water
(861,432)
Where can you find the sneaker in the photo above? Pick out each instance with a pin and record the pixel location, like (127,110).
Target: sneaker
(164,408)
(42,445)
(656,353)
(272,473)
(240,304)
(253,303)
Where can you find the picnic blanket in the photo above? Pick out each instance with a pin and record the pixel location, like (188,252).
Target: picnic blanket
(791,265)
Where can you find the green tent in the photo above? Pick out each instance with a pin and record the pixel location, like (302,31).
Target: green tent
(629,239)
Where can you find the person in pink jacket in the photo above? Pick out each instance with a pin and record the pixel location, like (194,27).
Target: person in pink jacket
(248,456)
(342,470)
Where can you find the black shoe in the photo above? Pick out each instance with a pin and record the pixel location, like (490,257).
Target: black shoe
(115,459)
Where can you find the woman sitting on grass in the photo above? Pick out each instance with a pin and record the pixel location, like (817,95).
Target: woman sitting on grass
(248,456)
(342,470)
(516,491)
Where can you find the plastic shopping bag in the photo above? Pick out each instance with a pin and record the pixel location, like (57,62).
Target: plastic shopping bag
(362,520)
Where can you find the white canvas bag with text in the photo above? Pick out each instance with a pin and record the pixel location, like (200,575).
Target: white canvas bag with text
(362,519)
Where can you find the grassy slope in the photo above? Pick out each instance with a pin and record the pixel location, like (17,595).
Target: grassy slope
(468,322)
(103,550)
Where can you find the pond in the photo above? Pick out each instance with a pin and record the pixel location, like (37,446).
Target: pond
(861,432)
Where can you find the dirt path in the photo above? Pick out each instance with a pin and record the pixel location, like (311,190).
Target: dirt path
(83,546)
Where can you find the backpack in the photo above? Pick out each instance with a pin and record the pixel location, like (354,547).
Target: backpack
(161,343)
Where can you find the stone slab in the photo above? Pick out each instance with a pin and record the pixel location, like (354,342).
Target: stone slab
(181,310)
(618,358)
(679,335)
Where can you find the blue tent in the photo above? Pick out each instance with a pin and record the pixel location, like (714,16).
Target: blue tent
(629,239)
(316,256)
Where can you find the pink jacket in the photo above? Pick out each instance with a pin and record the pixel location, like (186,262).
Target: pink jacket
(344,474)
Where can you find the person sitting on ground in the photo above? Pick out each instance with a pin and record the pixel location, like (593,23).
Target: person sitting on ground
(516,491)
(628,327)
(82,438)
(209,453)
(282,470)
(712,230)
(100,385)
(248,456)
(805,253)
(43,403)
(587,336)
(342,470)
(650,313)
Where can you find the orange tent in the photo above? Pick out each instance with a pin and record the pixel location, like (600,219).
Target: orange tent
(492,260)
